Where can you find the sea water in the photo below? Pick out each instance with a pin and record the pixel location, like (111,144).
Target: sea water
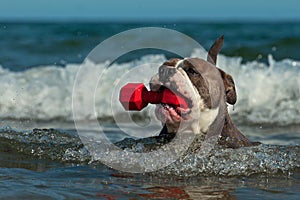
(43,157)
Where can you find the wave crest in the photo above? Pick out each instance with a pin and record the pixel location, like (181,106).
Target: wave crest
(267,93)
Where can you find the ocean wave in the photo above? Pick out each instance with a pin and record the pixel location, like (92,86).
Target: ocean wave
(67,148)
(267,93)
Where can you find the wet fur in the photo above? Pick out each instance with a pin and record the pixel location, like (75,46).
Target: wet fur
(230,136)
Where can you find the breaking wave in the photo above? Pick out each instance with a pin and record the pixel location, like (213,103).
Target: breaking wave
(267,93)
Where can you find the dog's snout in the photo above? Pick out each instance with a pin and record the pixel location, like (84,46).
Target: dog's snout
(154,83)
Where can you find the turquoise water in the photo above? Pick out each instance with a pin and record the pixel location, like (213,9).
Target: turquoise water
(39,62)
(52,164)
(27,45)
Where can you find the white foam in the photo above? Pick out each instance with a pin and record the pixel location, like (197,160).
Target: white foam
(266,93)
(45,92)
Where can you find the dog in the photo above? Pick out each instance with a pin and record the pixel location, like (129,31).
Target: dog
(207,91)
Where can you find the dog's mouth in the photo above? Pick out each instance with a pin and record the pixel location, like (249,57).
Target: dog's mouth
(170,113)
(176,116)
(177,111)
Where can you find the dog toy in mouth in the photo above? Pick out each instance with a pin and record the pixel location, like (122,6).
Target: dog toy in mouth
(135,96)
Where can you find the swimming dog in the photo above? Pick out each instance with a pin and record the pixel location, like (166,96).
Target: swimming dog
(207,89)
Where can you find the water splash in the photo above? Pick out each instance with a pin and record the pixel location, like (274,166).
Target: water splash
(66,147)
(267,93)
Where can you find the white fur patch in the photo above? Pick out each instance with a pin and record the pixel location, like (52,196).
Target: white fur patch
(206,115)
(178,63)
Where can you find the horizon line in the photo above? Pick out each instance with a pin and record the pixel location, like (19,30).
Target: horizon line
(148,20)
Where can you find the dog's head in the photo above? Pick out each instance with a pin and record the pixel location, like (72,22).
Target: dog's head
(205,88)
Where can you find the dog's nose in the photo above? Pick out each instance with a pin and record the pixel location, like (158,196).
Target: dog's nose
(165,72)
(154,83)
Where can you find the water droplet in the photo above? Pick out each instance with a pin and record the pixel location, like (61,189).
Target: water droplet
(259,56)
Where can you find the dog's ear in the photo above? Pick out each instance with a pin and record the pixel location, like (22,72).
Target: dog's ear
(214,50)
(227,79)
(229,87)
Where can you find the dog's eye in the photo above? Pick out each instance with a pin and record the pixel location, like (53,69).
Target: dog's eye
(192,71)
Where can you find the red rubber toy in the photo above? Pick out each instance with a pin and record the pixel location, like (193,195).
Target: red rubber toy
(135,96)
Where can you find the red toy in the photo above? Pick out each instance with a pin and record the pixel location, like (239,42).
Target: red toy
(134,96)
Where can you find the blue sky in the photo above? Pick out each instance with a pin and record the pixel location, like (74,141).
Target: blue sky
(149,9)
